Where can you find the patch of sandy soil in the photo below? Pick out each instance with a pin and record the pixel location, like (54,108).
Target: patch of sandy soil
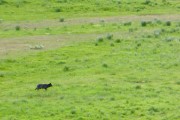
(23,45)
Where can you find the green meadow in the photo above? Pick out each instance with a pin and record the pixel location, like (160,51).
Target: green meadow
(106,59)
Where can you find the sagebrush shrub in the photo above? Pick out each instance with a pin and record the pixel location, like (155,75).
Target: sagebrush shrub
(105,65)
(127,23)
(112,44)
(157,33)
(65,69)
(158,21)
(169,39)
(58,10)
(61,20)
(138,87)
(118,41)
(146,2)
(168,23)
(143,23)
(109,36)
(2,2)
(17,28)
(37,47)
(100,39)
(96,44)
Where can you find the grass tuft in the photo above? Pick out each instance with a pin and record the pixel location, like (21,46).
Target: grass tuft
(61,20)
(37,47)
(58,10)
(66,69)
(104,65)
(143,23)
(127,23)
(138,87)
(109,36)
(100,39)
(168,23)
(2,74)
(17,28)
(147,2)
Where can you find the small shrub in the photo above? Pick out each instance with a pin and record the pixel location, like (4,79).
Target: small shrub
(132,111)
(1,74)
(138,45)
(163,30)
(17,28)
(102,21)
(168,23)
(101,98)
(105,65)
(109,36)
(117,40)
(2,2)
(173,30)
(96,44)
(119,2)
(131,29)
(143,23)
(61,97)
(157,33)
(146,2)
(127,23)
(153,109)
(37,47)
(73,111)
(149,22)
(65,69)
(169,39)
(149,36)
(112,44)
(58,10)
(62,62)
(100,39)
(138,87)
(61,20)
(112,98)
(158,21)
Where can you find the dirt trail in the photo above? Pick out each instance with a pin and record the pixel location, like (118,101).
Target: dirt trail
(76,21)
(22,44)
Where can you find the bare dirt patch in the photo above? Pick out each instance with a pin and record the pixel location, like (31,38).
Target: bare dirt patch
(76,21)
(22,45)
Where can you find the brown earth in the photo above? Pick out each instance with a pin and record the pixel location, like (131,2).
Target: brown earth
(23,45)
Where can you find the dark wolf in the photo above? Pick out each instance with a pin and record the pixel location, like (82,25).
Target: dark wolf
(43,86)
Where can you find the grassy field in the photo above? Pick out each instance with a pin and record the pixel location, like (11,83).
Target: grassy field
(106,59)
(55,9)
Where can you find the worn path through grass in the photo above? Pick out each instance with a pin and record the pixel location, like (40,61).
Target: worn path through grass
(22,44)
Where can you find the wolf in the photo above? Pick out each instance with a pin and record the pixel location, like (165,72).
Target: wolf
(43,86)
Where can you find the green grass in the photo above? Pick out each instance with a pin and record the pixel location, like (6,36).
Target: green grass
(124,81)
(45,9)
(89,28)
(125,70)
